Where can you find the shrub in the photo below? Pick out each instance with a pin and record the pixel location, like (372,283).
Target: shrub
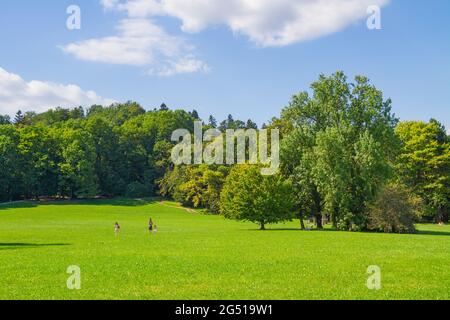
(394,211)
(137,190)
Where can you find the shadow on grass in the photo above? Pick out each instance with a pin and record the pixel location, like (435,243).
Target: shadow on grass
(419,233)
(18,205)
(433,233)
(14,246)
(289,229)
(120,202)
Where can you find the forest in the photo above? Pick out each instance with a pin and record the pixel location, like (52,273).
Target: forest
(346,160)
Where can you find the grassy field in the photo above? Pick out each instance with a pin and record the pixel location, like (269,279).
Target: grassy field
(196,256)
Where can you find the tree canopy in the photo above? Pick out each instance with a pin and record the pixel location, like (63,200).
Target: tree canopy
(338,148)
(424,165)
(250,196)
(342,152)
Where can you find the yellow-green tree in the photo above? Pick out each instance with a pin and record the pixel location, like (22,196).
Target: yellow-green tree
(424,164)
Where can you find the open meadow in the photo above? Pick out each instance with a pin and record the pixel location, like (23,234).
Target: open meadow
(196,256)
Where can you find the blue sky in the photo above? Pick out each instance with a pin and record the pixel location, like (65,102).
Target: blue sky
(221,60)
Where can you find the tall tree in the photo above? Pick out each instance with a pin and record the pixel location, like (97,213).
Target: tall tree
(78,179)
(339,148)
(38,157)
(108,160)
(9,166)
(424,164)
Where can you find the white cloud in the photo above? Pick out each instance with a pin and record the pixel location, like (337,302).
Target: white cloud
(139,42)
(182,66)
(268,23)
(265,22)
(16,93)
(109,4)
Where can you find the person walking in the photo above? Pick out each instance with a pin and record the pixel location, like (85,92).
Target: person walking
(117,229)
(150,226)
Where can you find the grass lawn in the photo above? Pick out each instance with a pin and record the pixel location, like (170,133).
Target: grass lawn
(196,256)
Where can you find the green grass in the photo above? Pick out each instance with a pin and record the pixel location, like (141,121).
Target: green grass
(198,256)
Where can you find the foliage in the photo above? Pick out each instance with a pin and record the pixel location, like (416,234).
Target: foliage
(395,210)
(137,190)
(77,168)
(67,153)
(195,186)
(424,165)
(9,166)
(5,120)
(250,196)
(337,148)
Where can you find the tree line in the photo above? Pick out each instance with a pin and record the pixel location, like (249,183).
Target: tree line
(345,160)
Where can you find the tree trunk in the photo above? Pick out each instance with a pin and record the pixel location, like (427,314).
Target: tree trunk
(334,218)
(442,216)
(263,227)
(302,222)
(318,209)
(319,221)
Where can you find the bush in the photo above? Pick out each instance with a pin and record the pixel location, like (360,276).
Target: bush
(395,210)
(195,186)
(137,190)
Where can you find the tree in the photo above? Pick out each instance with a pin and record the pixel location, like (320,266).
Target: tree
(5,120)
(38,157)
(9,166)
(395,210)
(424,165)
(113,151)
(251,125)
(108,163)
(337,149)
(194,114)
(250,196)
(18,118)
(117,113)
(212,122)
(195,186)
(78,179)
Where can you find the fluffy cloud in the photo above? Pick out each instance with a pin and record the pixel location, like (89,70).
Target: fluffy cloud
(16,93)
(140,42)
(265,22)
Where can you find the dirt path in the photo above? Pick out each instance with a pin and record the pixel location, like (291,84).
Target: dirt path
(164,203)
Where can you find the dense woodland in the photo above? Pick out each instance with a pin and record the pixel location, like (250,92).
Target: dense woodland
(345,159)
